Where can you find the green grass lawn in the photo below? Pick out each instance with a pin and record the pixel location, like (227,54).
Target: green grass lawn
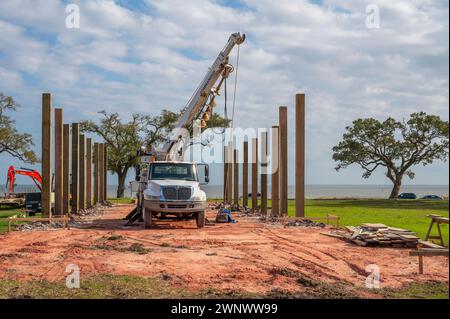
(6,212)
(409,214)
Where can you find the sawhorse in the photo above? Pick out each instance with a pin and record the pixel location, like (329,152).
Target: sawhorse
(438,220)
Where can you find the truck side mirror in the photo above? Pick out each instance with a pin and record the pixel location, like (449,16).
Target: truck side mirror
(206,173)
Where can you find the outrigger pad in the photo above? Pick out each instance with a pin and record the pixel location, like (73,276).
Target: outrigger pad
(133,216)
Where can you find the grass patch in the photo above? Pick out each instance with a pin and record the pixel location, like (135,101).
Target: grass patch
(6,212)
(104,287)
(427,290)
(131,287)
(125,200)
(286,272)
(139,249)
(409,214)
(115,237)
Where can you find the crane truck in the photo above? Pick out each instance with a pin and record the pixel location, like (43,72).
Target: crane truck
(168,185)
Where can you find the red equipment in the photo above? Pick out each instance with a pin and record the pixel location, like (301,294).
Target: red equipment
(35,176)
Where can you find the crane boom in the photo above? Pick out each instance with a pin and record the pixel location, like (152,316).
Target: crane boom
(173,148)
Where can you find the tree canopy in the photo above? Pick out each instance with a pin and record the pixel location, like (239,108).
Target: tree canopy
(396,146)
(12,142)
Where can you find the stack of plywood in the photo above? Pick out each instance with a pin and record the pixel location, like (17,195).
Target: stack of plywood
(369,234)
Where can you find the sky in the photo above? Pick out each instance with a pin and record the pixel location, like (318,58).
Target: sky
(143,56)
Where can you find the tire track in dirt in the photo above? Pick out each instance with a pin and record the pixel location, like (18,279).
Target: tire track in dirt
(311,264)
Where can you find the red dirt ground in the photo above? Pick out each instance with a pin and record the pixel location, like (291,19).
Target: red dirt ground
(239,256)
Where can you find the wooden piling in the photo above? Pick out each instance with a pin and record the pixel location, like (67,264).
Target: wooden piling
(101,158)
(75,166)
(96,167)
(254,174)
(105,172)
(59,164)
(82,172)
(225,178)
(300,155)
(88,172)
(264,171)
(236,178)
(283,161)
(46,170)
(66,169)
(245,176)
(230,173)
(275,154)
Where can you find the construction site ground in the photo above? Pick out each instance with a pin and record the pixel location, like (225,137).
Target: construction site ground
(247,258)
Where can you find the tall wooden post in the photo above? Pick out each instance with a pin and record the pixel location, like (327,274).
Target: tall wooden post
(75,158)
(275,164)
(245,176)
(225,178)
(230,173)
(236,178)
(254,174)
(66,169)
(300,155)
(88,172)
(101,177)
(46,170)
(283,161)
(96,175)
(82,172)
(264,171)
(105,172)
(59,162)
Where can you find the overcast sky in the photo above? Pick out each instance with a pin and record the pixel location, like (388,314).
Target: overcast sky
(131,56)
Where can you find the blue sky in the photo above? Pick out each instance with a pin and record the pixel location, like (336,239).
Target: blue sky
(143,56)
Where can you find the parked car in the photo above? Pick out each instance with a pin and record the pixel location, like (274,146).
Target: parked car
(407,196)
(432,197)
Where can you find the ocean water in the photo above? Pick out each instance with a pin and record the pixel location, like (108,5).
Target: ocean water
(311,191)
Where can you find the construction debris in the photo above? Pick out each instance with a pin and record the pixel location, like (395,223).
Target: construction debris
(96,210)
(304,223)
(41,226)
(290,222)
(376,235)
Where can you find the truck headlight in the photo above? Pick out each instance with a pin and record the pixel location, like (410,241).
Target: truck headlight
(151,197)
(198,198)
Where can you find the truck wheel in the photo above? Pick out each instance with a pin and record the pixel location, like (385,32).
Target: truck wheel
(147,218)
(200,219)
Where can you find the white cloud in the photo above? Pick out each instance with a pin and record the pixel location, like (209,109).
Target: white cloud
(125,60)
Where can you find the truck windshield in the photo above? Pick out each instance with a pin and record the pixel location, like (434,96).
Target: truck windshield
(184,172)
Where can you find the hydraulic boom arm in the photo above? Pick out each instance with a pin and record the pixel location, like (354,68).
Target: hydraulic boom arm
(174,148)
(35,176)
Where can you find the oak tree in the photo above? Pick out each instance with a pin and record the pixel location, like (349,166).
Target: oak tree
(393,145)
(19,145)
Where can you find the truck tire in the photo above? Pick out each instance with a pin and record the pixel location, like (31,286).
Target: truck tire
(147,218)
(200,219)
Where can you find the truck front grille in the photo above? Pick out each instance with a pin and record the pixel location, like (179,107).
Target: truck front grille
(184,193)
(176,193)
(170,193)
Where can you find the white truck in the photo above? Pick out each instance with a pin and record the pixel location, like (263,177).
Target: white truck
(167,184)
(173,188)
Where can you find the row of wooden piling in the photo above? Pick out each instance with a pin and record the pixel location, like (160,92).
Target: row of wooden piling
(259,167)
(80,166)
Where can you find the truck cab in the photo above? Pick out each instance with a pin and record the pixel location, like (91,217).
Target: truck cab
(173,189)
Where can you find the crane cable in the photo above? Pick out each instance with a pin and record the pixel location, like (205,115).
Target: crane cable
(231,124)
(235,86)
